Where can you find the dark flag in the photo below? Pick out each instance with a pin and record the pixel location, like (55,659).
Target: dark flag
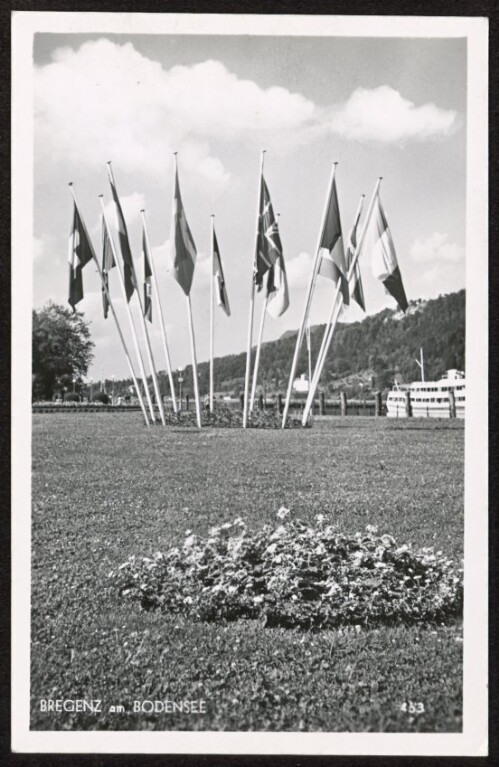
(182,247)
(107,264)
(147,278)
(218,276)
(80,253)
(356,289)
(126,253)
(269,245)
(277,286)
(332,264)
(383,257)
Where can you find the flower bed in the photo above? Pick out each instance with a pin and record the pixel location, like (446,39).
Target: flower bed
(226,417)
(293,575)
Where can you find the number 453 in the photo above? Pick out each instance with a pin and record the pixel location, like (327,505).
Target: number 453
(412,708)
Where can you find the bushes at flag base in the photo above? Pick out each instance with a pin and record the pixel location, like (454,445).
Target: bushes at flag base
(124,242)
(218,276)
(182,247)
(80,253)
(147,278)
(378,242)
(107,264)
(268,245)
(332,257)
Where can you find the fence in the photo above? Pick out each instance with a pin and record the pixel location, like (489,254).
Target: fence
(322,406)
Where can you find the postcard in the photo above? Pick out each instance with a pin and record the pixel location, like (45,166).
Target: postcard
(249,384)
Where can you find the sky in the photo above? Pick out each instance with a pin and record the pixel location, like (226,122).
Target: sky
(386,107)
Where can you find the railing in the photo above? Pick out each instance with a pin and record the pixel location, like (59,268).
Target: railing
(322,406)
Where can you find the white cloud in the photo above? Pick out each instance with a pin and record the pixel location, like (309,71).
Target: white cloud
(383,115)
(436,248)
(440,262)
(298,270)
(39,246)
(106,101)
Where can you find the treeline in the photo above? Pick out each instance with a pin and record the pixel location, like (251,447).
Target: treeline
(364,355)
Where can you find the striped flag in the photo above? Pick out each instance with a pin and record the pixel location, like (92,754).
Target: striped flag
(332,264)
(384,262)
(126,253)
(356,289)
(268,241)
(218,276)
(147,278)
(182,247)
(277,283)
(80,253)
(107,264)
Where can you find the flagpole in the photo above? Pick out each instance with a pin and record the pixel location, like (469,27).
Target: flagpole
(252,304)
(150,358)
(212,307)
(309,350)
(333,318)
(160,311)
(117,205)
(194,363)
(111,306)
(132,326)
(322,352)
(259,343)
(257,358)
(308,300)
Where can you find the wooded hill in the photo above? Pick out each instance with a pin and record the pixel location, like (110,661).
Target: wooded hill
(364,355)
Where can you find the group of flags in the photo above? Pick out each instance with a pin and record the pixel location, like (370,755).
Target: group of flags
(336,260)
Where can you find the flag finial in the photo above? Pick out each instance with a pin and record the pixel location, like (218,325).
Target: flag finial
(101,195)
(70,183)
(142,210)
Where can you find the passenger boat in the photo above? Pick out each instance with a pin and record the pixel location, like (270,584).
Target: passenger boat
(429,399)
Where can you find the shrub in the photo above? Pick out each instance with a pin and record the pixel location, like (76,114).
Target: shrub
(293,575)
(102,397)
(71,397)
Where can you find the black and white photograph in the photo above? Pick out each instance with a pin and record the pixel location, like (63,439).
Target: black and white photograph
(250,384)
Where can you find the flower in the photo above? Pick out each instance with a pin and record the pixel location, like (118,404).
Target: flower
(283,512)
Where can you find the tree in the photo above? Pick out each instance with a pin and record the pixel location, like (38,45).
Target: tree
(62,349)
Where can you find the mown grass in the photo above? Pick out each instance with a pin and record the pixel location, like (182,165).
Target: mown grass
(104,488)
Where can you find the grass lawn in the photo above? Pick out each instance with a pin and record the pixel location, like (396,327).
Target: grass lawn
(105,487)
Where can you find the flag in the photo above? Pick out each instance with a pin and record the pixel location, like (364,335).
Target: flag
(218,276)
(332,264)
(147,278)
(183,249)
(356,289)
(126,253)
(107,264)
(383,257)
(80,253)
(277,283)
(268,244)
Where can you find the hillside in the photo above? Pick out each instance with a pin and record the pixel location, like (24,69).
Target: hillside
(370,352)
